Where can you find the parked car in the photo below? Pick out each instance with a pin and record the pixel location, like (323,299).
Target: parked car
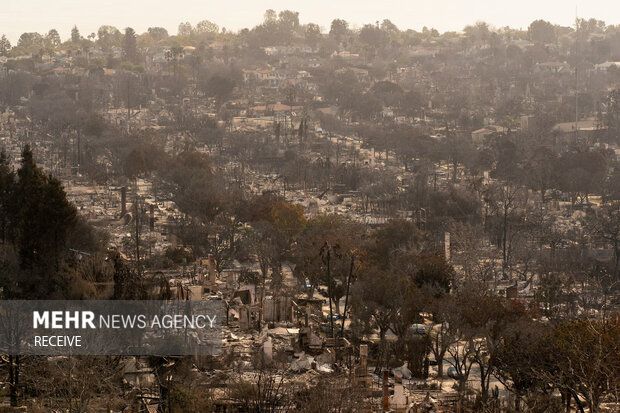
(336,317)
(453,373)
(418,329)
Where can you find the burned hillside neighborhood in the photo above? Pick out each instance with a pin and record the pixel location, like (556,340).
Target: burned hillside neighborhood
(391,220)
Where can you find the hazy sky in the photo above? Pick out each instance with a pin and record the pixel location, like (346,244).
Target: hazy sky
(20,16)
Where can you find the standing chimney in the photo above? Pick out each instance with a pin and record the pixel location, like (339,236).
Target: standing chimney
(211,269)
(123,201)
(364,358)
(386,391)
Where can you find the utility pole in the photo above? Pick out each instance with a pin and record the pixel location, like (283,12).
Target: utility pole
(128,103)
(79,157)
(327,259)
(346,297)
(137,221)
(576,76)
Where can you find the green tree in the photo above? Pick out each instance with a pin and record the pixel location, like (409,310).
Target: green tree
(30,40)
(339,28)
(75,35)
(5,45)
(393,239)
(604,225)
(157,33)
(433,274)
(389,27)
(44,215)
(108,36)
(7,178)
(39,223)
(53,38)
(130,51)
(220,87)
(373,36)
(312,34)
(612,118)
(288,22)
(270,17)
(185,29)
(206,27)
(541,32)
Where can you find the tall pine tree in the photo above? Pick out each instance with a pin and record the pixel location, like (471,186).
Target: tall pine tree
(7,178)
(37,219)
